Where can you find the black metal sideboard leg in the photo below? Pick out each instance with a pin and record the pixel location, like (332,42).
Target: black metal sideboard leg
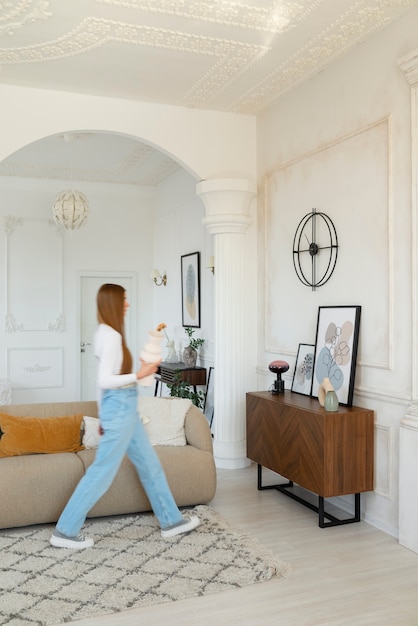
(320,509)
(259,477)
(260,486)
(334,521)
(356,507)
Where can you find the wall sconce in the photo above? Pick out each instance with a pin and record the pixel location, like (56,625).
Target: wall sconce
(211,264)
(158,279)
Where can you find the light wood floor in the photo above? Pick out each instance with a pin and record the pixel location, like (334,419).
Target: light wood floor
(341,576)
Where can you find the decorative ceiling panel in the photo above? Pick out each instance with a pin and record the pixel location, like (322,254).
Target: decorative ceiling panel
(227,55)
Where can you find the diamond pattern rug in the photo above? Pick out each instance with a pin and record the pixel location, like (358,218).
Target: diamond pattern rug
(130,565)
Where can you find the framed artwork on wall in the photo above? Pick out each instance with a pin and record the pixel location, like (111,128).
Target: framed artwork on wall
(190,289)
(302,376)
(336,343)
(208,408)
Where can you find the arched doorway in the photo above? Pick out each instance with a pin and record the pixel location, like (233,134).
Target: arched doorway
(208,144)
(119,175)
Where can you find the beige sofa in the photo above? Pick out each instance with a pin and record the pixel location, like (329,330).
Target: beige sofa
(34,488)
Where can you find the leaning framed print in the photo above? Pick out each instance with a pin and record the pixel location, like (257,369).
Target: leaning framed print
(336,343)
(190,289)
(302,376)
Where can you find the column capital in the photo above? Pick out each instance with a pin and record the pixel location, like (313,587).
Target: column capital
(227,203)
(409,64)
(410,421)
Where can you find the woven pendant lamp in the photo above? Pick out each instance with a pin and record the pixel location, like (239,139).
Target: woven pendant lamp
(70,209)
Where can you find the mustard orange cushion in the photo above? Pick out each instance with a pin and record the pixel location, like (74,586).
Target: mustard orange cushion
(39,435)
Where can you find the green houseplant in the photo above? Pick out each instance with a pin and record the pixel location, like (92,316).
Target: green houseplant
(181,389)
(190,351)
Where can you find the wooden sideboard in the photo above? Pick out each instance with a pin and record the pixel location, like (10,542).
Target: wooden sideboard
(329,454)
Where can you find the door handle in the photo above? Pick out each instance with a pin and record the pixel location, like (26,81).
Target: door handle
(83,345)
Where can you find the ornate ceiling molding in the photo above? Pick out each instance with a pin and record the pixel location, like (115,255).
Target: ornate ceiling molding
(279,17)
(232,55)
(138,156)
(133,170)
(161,171)
(14,16)
(353,27)
(94,32)
(409,64)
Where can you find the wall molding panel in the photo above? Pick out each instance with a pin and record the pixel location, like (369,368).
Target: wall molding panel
(33,275)
(384,469)
(314,180)
(35,368)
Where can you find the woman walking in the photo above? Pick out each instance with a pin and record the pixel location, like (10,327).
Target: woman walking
(123,432)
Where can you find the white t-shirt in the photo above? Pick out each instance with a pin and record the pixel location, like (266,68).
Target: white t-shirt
(109,354)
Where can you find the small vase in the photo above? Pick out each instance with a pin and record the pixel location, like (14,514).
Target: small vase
(331,402)
(323,389)
(172,354)
(151,354)
(189,356)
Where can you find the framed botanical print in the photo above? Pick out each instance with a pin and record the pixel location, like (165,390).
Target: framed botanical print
(336,344)
(302,376)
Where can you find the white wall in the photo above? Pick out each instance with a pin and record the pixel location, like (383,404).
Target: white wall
(342,144)
(118,237)
(209,144)
(178,230)
(128,230)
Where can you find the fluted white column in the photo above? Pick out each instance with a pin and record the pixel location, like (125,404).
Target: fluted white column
(408,432)
(408,479)
(227,203)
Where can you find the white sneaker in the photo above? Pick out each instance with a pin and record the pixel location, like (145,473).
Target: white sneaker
(58,540)
(185,526)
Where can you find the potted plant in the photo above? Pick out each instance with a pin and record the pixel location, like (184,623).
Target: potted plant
(181,389)
(190,351)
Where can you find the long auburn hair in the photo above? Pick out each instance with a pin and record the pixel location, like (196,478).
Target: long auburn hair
(110,311)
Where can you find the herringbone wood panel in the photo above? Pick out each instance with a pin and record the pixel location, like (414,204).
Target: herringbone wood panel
(328,453)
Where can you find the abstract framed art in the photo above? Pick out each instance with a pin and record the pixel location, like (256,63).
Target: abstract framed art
(302,376)
(190,289)
(336,344)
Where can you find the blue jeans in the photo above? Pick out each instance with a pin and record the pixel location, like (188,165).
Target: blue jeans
(124,433)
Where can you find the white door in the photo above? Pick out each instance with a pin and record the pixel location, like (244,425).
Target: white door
(89,286)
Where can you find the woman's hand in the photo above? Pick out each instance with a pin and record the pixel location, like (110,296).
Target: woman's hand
(147,369)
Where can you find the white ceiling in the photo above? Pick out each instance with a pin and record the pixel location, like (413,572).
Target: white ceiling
(227,55)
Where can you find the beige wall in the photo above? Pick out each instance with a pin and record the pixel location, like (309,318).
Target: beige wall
(342,144)
(137,234)
(118,237)
(207,143)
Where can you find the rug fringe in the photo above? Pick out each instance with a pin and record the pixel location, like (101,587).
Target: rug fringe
(276,565)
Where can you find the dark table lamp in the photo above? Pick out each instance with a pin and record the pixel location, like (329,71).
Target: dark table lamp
(279,368)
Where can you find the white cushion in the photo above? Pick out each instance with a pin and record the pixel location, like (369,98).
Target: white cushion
(91,435)
(163,419)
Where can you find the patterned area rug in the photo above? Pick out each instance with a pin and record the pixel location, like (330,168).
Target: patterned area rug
(129,566)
